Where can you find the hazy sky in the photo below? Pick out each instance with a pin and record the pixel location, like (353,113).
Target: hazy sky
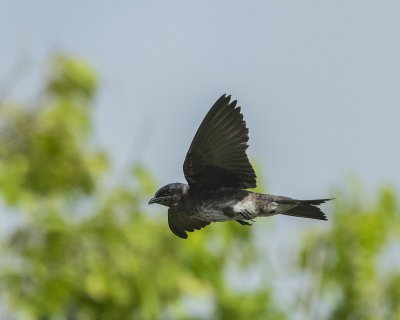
(318,81)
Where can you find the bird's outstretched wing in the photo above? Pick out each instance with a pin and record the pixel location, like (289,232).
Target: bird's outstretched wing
(217,156)
(179,222)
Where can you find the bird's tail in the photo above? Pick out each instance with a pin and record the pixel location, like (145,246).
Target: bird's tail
(305,208)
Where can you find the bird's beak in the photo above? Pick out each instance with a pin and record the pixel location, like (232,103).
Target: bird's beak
(154,200)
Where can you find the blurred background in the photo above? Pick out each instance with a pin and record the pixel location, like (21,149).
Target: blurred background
(99,102)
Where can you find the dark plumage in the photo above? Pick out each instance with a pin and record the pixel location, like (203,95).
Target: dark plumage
(218,171)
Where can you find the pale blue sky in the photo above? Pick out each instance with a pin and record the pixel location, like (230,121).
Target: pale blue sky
(319,81)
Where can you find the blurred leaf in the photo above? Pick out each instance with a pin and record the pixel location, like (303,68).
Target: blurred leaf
(44,150)
(352,249)
(69,76)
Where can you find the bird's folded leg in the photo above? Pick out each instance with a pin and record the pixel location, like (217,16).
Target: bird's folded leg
(246,214)
(244,223)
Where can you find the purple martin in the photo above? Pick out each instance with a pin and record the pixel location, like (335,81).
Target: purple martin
(218,173)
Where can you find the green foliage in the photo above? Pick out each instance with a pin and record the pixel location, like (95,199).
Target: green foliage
(69,77)
(120,264)
(43,149)
(346,259)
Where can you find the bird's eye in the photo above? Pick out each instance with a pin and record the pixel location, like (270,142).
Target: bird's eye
(164,193)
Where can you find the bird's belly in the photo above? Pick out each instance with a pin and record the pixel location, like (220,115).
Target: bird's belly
(230,210)
(213,215)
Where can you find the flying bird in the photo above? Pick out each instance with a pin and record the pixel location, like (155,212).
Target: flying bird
(218,173)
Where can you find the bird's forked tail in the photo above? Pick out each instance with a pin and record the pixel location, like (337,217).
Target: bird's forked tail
(305,208)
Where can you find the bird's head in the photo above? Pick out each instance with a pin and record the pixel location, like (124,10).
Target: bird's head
(170,195)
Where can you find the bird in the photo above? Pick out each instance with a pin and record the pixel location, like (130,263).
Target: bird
(218,173)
